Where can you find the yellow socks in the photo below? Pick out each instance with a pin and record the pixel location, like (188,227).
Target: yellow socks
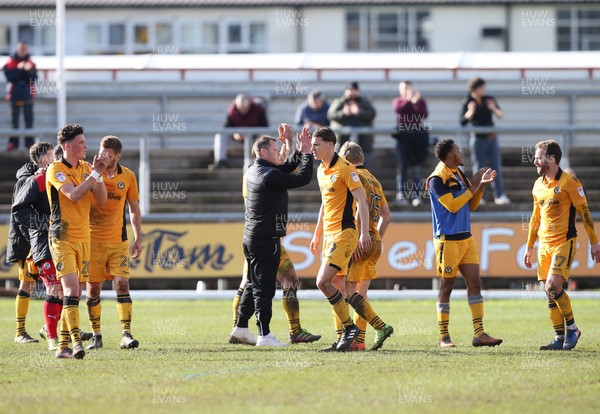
(124,309)
(558,322)
(563,301)
(236,304)
(21,308)
(292,310)
(476,305)
(443,315)
(364,309)
(71,315)
(94,310)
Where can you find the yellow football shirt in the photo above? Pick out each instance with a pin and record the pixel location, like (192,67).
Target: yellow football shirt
(557,200)
(69,220)
(375,197)
(107,221)
(336,184)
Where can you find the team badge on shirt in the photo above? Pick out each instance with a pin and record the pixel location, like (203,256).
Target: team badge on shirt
(580,191)
(46,266)
(121,185)
(60,266)
(448,269)
(60,176)
(333,178)
(557,190)
(354,177)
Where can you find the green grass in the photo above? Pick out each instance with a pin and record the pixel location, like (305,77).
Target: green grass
(184,364)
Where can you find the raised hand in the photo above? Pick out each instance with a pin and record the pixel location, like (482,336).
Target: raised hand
(304,144)
(285,132)
(100,162)
(488,176)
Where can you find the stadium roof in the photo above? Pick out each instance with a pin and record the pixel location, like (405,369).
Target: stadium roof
(245,3)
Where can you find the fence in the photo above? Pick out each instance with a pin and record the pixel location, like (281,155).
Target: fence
(565,138)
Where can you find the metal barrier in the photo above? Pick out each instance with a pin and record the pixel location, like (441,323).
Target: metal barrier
(565,131)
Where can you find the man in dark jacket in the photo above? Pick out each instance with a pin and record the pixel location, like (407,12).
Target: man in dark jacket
(18,247)
(31,210)
(243,112)
(353,110)
(20,72)
(266,219)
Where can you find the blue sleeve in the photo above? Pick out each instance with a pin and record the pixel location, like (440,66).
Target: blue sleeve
(437,187)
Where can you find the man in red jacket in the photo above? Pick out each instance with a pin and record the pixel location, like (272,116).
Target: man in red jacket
(21,74)
(243,112)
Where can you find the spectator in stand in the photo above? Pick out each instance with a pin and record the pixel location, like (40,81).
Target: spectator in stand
(20,74)
(412,141)
(479,109)
(313,112)
(243,112)
(352,110)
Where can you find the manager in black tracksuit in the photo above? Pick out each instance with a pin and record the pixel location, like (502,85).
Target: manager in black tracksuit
(266,219)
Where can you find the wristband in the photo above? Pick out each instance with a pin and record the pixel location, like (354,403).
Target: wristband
(95,175)
(99,180)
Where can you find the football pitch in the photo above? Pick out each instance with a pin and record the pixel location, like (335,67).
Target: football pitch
(184,364)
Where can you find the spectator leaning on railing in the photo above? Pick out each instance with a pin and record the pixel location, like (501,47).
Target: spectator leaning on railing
(353,110)
(243,112)
(313,112)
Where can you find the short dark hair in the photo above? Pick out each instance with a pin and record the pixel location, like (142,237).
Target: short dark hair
(552,148)
(475,83)
(326,134)
(58,153)
(262,142)
(37,150)
(314,95)
(68,132)
(406,82)
(353,85)
(112,142)
(443,148)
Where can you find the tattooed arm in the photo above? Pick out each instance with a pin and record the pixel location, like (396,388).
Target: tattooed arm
(588,223)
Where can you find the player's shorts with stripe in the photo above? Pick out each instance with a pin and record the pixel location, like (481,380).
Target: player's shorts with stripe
(556,260)
(28,271)
(338,248)
(364,269)
(450,254)
(108,260)
(71,257)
